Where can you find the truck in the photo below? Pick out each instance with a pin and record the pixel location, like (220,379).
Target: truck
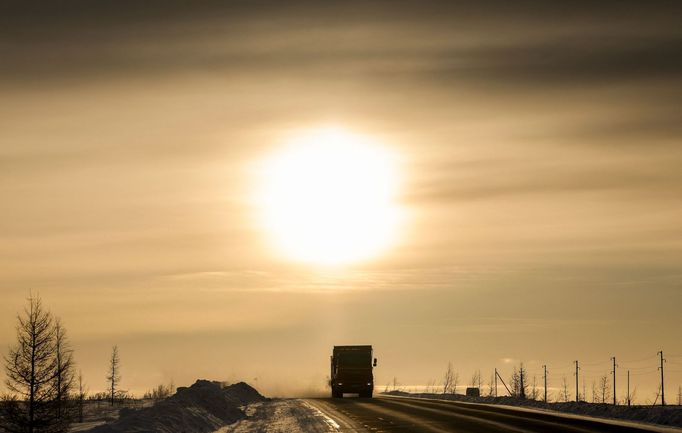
(351,371)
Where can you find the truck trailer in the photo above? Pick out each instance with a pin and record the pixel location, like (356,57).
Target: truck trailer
(351,371)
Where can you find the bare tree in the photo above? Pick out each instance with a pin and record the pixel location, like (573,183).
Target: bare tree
(523,382)
(534,392)
(476,379)
(455,382)
(396,384)
(604,389)
(161,392)
(64,374)
(491,385)
(114,376)
(30,368)
(82,395)
(448,378)
(564,390)
(633,395)
(594,392)
(514,382)
(431,386)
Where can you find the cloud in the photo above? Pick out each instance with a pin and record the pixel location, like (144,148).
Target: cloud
(531,45)
(541,149)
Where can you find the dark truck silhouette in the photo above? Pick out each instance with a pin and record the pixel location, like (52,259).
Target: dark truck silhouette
(351,371)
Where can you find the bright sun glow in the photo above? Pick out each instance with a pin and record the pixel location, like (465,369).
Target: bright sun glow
(329,198)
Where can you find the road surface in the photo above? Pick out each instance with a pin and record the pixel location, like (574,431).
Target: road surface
(400,414)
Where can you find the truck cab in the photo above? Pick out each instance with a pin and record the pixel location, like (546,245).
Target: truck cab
(351,371)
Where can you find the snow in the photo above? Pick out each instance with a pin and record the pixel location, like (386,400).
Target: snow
(657,419)
(201,408)
(282,416)
(211,407)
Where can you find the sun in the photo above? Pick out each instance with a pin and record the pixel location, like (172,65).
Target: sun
(329,197)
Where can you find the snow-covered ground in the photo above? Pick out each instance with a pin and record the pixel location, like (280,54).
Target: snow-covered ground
(207,407)
(282,416)
(669,418)
(201,408)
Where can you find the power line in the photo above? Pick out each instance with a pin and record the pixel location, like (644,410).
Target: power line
(648,367)
(635,361)
(593,364)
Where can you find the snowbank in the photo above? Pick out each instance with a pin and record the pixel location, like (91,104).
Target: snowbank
(200,408)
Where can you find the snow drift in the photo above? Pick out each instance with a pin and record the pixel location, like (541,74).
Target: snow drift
(200,408)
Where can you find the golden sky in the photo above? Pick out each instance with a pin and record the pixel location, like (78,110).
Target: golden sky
(539,163)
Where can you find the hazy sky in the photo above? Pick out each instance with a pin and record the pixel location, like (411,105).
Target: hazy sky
(540,150)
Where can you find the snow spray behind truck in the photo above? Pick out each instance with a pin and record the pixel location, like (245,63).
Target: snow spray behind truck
(351,371)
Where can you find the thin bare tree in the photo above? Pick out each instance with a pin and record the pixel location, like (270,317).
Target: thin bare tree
(64,373)
(594,392)
(30,368)
(82,395)
(161,392)
(604,389)
(523,381)
(114,376)
(534,392)
(455,382)
(633,395)
(396,384)
(564,390)
(491,386)
(515,383)
(431,386)
(448,378)
(476,379)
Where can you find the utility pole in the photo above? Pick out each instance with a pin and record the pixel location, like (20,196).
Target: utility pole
(662,383)
(577,390)
(544,367)
(496,382)
(614,380)
(502,380)
(628,388)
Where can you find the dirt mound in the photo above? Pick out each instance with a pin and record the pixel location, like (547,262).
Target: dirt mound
(203,407)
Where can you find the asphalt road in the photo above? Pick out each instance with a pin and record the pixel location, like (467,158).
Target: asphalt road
(396,414)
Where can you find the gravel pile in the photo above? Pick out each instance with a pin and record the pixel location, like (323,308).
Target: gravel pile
(201,408)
